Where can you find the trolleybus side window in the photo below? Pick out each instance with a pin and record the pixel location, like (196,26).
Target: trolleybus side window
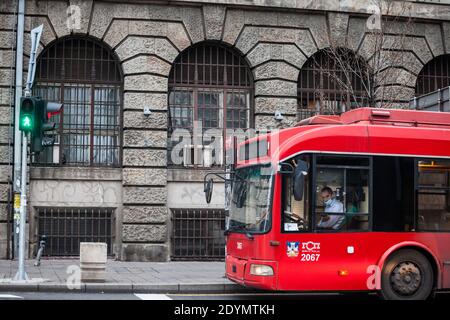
(296,213)
(433,195)
(342,193)
(393,194)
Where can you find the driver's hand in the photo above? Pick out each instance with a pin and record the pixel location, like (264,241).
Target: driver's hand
(325,218)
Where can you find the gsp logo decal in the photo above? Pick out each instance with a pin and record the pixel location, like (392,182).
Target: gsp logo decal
(239,245)
(311,246)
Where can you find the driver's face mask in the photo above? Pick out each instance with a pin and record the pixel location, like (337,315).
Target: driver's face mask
(328,202)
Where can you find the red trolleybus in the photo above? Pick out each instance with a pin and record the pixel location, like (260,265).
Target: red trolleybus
(359,201)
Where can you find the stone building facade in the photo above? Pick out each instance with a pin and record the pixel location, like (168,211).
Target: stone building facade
(145,38)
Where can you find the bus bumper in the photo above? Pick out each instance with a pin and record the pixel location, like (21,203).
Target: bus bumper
(238,270)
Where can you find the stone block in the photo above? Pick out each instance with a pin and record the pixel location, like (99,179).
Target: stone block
(57,14)
(7,21)
(7,59)
(6,116)
(174,31)
(145,82)
(315,24)
(270,105)
(4,192)
(144,233)
(406,59)
(133,119)
(251,35)
(36,7)
(6,77)
(144,158)
(118,30)
(5,134)
(418,45)
(144,195)
(276,88)
(150,64)
(143,214)
(434,38)
(7,39)
(395,76)
(6,154)
(5,173)
(6,97)
(134,45)
(394,93)
(145,252)
(276,69)
(214,17)
(137,100)
(193,20)
(446,36)
(145,139)
(101,19)
(338,28)
(356,30)
(93,261)
(234,22)
(4,211)
(140,176)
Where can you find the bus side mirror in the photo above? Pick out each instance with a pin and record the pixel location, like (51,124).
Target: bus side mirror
(208,189)
(300,171)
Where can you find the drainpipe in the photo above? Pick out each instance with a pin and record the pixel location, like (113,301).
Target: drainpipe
(18,95)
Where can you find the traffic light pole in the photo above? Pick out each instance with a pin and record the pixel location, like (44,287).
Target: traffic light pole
(21,274)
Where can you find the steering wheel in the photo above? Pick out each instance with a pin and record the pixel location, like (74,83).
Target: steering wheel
(295,218)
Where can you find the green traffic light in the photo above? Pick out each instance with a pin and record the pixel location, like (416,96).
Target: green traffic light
(26,122)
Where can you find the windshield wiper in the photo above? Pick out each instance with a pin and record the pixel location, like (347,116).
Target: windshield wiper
(242,227)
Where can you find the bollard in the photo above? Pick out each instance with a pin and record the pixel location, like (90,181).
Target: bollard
(40,251)
(93,261)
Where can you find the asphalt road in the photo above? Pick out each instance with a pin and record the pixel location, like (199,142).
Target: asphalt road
(234,297)
(138,296)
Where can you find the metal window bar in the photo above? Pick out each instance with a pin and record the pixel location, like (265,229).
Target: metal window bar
(197,234)
(84,75)
(212,84)
(434,75)
(65,228)
(325,88)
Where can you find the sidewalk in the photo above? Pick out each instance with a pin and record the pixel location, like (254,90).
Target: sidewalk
(123,277)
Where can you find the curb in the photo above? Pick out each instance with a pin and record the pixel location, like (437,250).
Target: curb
(128,288)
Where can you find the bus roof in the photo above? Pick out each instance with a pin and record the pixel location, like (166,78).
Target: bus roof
(359,131)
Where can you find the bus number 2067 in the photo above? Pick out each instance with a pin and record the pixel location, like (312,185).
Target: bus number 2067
(310,257)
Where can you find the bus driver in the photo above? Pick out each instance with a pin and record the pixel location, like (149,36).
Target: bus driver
(331,221)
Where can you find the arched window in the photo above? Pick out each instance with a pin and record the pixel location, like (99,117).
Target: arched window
(434,75)
(86,77)
(210,85)
(332,81)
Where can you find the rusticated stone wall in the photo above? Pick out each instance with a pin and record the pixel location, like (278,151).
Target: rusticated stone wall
(148,37)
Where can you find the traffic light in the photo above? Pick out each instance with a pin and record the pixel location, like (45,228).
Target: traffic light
(43,114)
(27,117)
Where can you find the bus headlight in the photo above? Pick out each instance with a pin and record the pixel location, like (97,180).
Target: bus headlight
(261,270)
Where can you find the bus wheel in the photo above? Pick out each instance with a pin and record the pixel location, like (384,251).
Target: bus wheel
(407,275)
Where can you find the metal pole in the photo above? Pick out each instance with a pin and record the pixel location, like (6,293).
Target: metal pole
(21,274)
(18,95)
